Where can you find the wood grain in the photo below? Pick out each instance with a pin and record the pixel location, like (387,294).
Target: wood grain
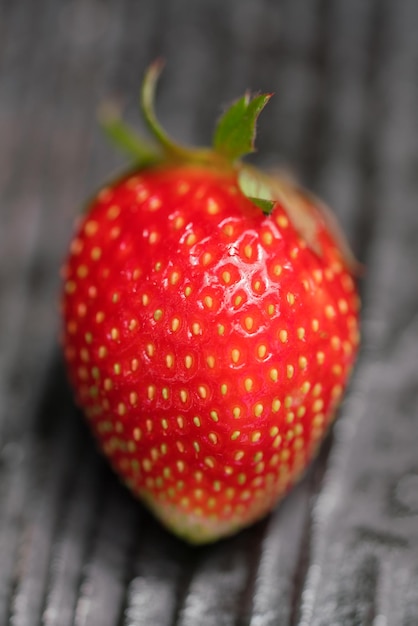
(75,548)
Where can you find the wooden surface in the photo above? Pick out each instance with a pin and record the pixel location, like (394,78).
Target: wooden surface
(75,548)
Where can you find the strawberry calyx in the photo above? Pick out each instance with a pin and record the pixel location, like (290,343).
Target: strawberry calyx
(233,138)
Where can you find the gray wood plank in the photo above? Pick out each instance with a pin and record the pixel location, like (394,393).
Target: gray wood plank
(361,533)
(75,548)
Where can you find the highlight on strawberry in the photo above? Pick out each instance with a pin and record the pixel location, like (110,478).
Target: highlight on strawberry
(210,324)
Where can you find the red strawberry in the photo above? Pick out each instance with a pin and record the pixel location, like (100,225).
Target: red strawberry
(210,327)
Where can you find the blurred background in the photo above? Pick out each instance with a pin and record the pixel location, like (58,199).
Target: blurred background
(342,549)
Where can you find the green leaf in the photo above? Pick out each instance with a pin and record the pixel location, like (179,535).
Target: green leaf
(265,205)
(235,132)
(257,187)
(125,138)
(255,184)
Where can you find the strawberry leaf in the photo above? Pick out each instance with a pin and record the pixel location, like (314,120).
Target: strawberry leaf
(257,187)
(235,132)
(265,205)
(125,138)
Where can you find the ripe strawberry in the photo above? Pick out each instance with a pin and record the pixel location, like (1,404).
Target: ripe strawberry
(210,326)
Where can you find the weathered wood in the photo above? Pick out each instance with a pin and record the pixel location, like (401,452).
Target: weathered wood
(75,548)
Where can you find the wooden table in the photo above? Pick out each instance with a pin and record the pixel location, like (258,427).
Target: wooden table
(342,549)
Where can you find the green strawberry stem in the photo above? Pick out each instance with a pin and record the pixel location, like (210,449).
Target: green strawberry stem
(172,150)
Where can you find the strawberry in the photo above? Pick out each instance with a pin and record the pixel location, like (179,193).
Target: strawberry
(210,324)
